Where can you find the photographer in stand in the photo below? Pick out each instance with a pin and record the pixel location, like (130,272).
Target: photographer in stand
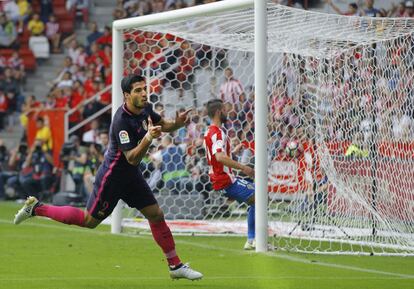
(17,158)
(36,176)
(95,158)
(74,158)
(4,173)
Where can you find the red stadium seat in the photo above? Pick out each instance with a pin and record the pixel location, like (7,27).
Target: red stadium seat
(67,26)
(24,38)
(59,11)
(59,2)
(29,62)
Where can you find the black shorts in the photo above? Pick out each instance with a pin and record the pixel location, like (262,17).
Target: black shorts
(109,188)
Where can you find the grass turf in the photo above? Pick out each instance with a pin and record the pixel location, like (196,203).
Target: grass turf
(44,254)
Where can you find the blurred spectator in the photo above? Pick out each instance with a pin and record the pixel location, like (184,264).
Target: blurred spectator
(25,9)
(397,10)
(4,173)
(409,9)
(29,105)
(158,6)
(53,33)
(17,159)
(67,67)
(351,11)
(106,38)
(79,158)
(95,158)
(173,166)
(370,10)
(43,133)
(66,80)
(37,41)
(16,63)
(8,33)
(12,11)
(93,36)
(4,107)
(36,177)
(79,5)
(12,88)
(92,135)
(357,148)
(231,89)
(36,26)
(46,9)
(104,139)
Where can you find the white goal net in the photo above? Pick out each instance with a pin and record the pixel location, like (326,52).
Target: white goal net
(341,125)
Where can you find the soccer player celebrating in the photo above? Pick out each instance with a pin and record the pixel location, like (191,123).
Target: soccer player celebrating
(218,155)
(119,177)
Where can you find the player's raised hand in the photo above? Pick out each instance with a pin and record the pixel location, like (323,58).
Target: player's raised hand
(182,118)
(248,171)
(153,131)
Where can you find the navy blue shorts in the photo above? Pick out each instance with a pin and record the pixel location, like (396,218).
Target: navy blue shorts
(240,190)
(109,188)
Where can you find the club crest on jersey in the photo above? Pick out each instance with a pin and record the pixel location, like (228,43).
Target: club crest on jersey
(144,124)
(123,137)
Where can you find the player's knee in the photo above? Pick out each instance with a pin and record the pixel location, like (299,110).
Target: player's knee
(155,216)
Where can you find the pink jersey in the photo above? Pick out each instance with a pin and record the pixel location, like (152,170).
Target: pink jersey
(215,140)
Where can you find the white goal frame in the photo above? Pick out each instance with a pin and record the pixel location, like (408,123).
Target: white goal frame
(260,72)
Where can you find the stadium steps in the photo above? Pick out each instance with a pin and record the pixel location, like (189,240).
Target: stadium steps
(13,133)
(46,71)
(101,12)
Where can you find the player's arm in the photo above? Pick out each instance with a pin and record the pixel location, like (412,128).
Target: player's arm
(334,7)
(172,125)
(135,155)
(228,162)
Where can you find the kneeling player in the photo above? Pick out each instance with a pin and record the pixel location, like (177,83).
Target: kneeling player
(218,155)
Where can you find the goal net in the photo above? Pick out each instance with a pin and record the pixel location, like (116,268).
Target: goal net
(341,126)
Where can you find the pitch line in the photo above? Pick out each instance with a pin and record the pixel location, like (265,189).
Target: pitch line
(235,251)
(52,278)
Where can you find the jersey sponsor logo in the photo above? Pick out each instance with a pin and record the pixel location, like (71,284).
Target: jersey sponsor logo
(144,125)
(123,137)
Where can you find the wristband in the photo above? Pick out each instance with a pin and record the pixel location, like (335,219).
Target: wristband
(149,137)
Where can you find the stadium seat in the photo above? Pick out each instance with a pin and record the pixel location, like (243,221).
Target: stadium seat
(67,26)
(24,38)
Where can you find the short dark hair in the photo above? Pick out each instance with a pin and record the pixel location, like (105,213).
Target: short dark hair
(104,131)
(129,80)
(213,106)
(354,5)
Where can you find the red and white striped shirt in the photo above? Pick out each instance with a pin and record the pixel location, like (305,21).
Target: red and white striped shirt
(231,90)
(215,140)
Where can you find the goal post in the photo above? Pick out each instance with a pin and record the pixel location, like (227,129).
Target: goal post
(320,104)
(260,70)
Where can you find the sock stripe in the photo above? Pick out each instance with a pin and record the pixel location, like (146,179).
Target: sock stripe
(171,254)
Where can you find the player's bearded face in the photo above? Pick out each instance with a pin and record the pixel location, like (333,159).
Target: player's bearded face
(139,95)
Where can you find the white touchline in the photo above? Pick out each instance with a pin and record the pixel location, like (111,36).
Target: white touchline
(236,251)
(54,278)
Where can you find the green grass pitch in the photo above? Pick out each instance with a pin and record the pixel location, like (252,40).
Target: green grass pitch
(42,254)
